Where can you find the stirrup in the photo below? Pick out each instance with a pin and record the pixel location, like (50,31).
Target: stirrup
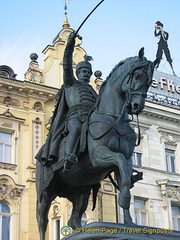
(70,159)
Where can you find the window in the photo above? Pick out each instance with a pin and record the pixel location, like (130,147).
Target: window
(136,158)
(4,221)
(57,229)
(140,211)
(5,147)
(170,160)
(176,217)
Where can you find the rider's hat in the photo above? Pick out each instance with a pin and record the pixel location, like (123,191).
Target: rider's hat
(85,64)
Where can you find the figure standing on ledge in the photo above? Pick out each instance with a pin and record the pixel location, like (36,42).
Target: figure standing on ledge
(162,44)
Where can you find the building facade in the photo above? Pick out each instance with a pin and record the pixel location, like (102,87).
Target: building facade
(25,114)
(156,199)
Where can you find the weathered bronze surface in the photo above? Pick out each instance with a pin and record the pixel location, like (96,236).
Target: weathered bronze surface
(90,136)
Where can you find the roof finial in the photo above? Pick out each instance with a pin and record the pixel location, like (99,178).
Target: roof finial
(66,23)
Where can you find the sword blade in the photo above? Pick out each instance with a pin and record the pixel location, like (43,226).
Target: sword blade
(88,17)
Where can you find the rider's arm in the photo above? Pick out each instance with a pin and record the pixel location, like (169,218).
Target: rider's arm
(157,32)
(68,76)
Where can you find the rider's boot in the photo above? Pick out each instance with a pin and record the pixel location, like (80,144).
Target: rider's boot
(70,160)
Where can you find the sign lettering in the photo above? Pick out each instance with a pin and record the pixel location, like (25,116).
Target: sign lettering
(166,84)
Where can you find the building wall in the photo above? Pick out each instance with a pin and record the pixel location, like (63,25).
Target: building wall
(160,130)
(22,113)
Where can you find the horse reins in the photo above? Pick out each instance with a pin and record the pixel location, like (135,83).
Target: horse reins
(129,94)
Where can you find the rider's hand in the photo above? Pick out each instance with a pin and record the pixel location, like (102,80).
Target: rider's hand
(72,36)
(71,39)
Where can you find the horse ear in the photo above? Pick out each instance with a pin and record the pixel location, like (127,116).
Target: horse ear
(156,62)
(141,53)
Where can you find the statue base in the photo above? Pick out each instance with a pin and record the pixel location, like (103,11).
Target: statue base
(106,231)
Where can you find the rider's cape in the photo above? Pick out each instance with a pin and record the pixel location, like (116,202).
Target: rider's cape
(45,168)
(50,149)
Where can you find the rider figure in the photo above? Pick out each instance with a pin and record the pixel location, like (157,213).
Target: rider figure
(80,98)
(75,99)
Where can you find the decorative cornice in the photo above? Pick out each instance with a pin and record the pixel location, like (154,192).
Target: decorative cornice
(174,193)
(169,136)
(169,189)
(9,189)
(8,114)
(161,112)
(8,166)
(25,87)
(161,116)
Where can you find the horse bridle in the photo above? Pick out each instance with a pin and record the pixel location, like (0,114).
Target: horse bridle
(132,92)
(128,100)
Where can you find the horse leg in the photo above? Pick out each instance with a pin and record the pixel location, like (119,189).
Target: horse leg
(42,211)
(127,217)
(126,213)
(104,157)
(80,202)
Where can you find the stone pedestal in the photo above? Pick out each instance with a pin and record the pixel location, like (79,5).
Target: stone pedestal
(107,231)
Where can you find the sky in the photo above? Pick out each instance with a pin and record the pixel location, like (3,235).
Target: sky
(115,31)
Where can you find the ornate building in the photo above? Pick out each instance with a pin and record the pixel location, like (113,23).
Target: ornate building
(25,114)
(23,106)
(156,199)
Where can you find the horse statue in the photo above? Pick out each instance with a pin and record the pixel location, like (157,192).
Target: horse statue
(110,145)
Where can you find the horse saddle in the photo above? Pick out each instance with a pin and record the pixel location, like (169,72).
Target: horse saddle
(100,124)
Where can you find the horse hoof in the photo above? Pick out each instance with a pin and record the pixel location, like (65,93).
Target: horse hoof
(74,224)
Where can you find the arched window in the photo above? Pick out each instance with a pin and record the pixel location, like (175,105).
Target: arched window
(4,221)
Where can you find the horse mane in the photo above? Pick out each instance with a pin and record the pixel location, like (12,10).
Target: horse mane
(126,68)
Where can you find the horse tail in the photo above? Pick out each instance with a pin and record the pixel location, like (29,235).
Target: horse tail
(95,189)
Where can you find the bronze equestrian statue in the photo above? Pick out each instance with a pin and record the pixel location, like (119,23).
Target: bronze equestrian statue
(70,165)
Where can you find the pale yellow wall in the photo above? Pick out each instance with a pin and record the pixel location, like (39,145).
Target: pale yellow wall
(21,174)
(53,70)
